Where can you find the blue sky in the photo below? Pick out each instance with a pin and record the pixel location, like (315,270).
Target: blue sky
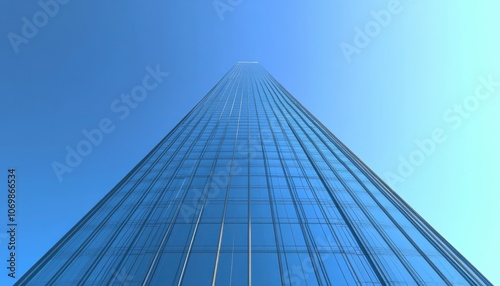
(384,76)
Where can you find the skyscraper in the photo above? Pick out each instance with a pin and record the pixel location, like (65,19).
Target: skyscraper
(251,189)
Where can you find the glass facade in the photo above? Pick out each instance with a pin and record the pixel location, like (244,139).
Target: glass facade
(250,189)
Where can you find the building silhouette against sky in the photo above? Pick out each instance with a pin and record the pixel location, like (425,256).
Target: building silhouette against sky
(251,189)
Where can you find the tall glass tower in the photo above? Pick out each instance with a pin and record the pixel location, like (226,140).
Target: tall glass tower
(251,189)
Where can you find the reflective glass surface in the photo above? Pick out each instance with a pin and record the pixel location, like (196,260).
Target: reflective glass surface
(250,189)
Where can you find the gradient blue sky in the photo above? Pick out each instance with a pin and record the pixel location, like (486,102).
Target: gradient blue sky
(395,90)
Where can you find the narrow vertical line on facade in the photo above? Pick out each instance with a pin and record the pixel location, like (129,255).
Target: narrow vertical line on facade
(249,204)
